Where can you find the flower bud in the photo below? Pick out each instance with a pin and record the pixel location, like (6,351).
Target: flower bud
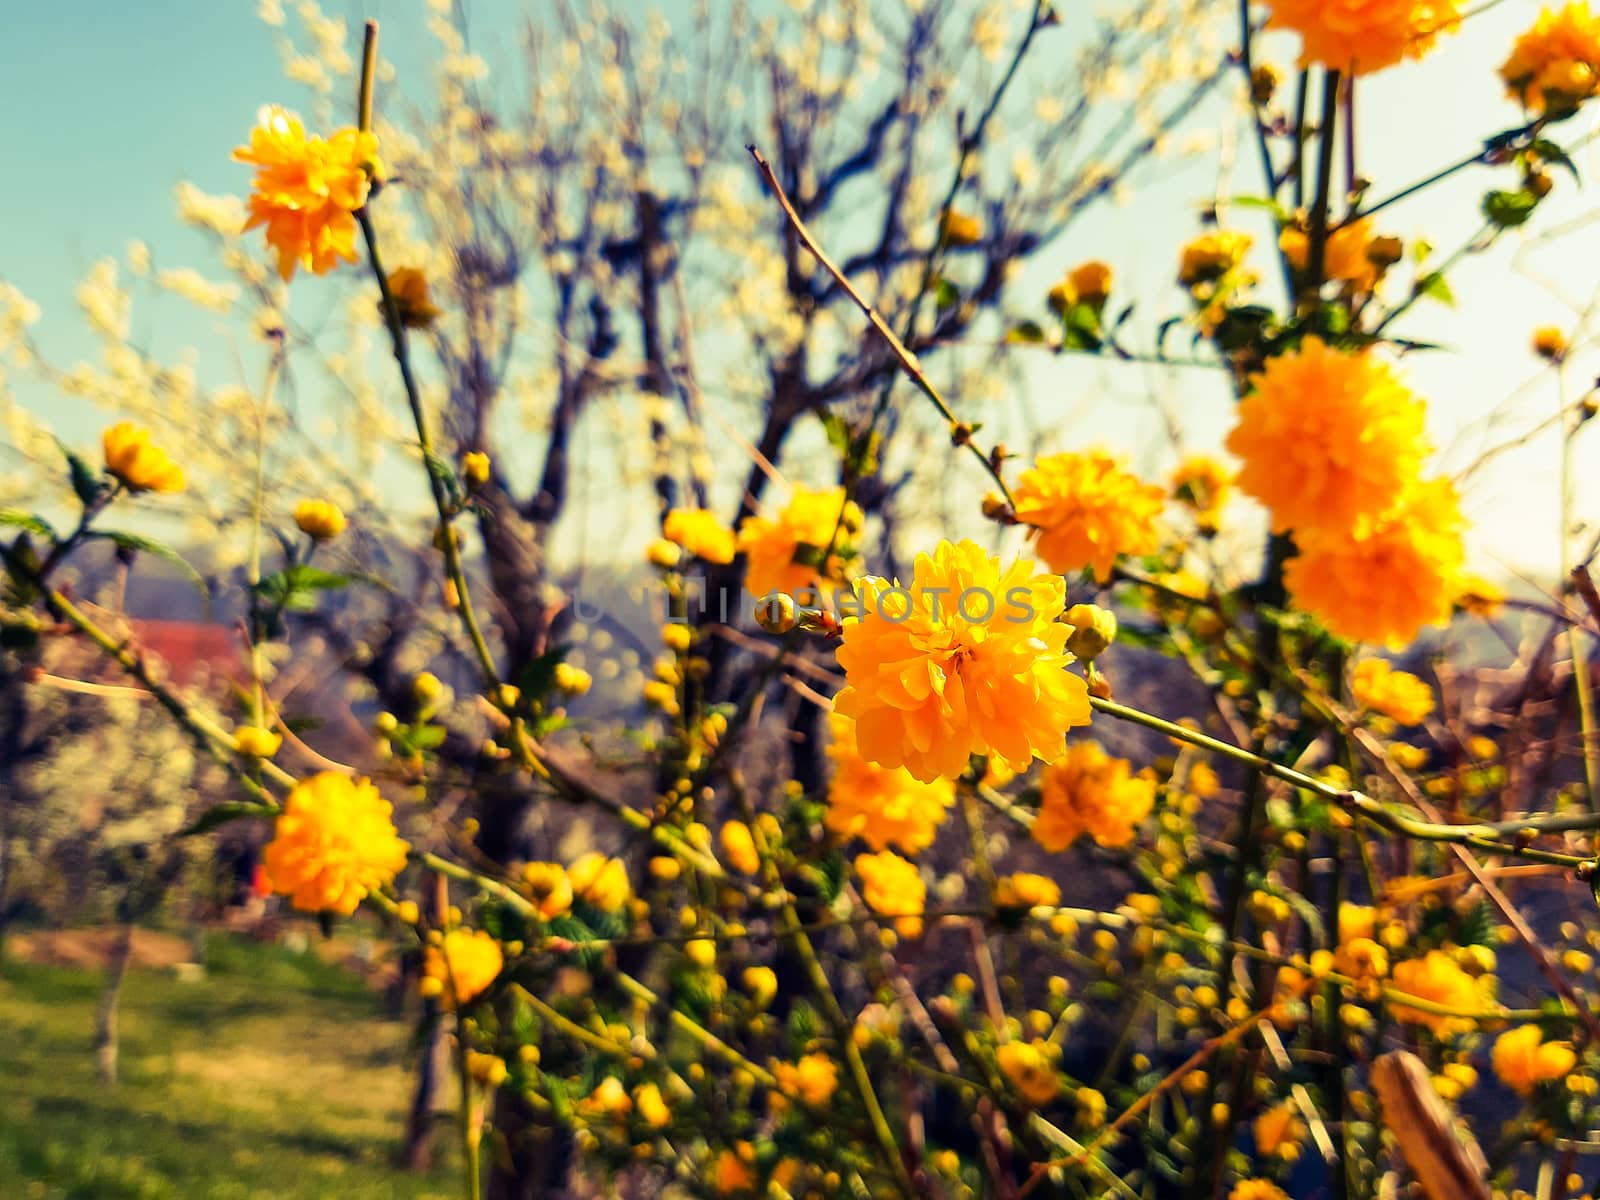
(776,613)
(1093,629)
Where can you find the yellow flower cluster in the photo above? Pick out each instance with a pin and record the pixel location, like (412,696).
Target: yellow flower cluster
(1363,36)
(700,533)
(967,659)
(812,1080)
(1257,1189)
(883,806)
(1085,510)
(784,553)
(334,842)
(1278,1132)
(1350,255)
(461,967)
(1439,979)
(1332,443)
(140,466)
(893,887)
(307,190)
(1088,791)
(1212,268)
(1522,1059)
(1555,66)
(1398,695)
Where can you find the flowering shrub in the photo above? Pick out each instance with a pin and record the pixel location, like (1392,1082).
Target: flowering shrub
(902,893)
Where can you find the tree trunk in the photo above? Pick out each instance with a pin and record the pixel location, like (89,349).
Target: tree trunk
(105,1021)
(433,1063)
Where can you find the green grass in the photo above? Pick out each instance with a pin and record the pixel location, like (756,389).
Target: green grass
(276,1076)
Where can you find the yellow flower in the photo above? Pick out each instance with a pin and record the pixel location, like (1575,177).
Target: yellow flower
(1349,255)
(600,881)
(968,659)
(319,520)
(1088,791)
(307,190)
(1329,440)
(739,847)
(1363,36)
(1361,958)
(784,553)
(140,466)
(1478,596)
(959,229)
(883,806)
(1030,1071)
(812,1080)
(547,885)
(409,288)
(252,741)
(462,966)
(1211,256)
(475,467)
(574,681)
(734,1171)
(1357,921)
(1086,511)
(1396,694)
(893,887)
(1549,342)
(1523,1060)
(1089,282)
(1435,977)
(609,1099)
(1278,1132)
(650,1106)
(1202,485)
(1385,586)
(1555,65)
(700,533)
(761,983)
(334,842)
(1025,890)
(1257,1189)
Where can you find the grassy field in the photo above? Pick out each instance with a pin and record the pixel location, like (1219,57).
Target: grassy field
(274,1077)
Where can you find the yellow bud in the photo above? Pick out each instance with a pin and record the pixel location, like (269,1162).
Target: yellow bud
(776,613)
(663,553)
(475,467)
(1093,629)
(408,912)
(252,741)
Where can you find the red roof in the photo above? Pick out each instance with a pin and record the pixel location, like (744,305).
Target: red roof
(191,647)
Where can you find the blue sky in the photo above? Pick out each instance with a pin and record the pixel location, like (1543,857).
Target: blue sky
(123,101)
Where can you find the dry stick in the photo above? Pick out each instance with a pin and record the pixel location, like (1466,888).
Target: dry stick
(959,431)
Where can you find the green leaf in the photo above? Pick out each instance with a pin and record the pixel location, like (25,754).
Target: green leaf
(838,431)
(1550,152)
(26,520)
(1028,332)
(1507,210)
(1436,287)
(1080,327)
(143,545)
(295,588)
(538,677)
(1280,214)
(222,814)
(87,483)
(945,294)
